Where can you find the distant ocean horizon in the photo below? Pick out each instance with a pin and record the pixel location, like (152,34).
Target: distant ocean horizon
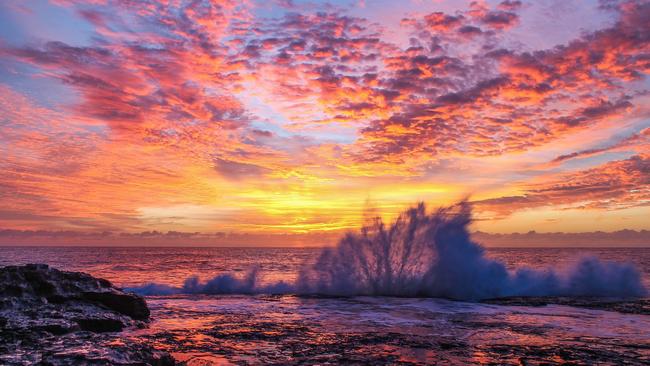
(614,239)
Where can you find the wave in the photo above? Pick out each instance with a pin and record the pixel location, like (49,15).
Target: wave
(222,284)
(423,255)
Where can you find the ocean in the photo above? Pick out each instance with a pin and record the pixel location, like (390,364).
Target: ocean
(134,266)
(211,328)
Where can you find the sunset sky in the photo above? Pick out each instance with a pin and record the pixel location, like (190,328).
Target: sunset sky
(294,117)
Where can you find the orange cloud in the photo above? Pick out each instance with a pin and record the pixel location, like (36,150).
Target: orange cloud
(208,116)
(614,185)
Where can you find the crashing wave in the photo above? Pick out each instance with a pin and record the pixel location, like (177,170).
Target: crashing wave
(424,255)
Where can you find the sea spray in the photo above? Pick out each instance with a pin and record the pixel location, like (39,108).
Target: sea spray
(432,255)
(225,283)
(425,255)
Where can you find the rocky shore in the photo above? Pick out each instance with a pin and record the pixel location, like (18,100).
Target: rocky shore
(624,306)
(52,317)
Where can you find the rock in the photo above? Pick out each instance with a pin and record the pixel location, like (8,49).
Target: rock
(38,283)
(625,306)
(100,325)
(127,304)
(107,354)
(58,328)
(53,317)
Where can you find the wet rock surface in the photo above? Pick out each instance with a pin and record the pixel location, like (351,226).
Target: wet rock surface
(625,306)
(52,317)
(289,330)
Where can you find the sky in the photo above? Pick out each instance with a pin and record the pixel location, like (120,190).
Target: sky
(268,119)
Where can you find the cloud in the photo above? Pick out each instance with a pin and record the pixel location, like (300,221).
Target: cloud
(635,141)
(236,170)
(439,21)
(500,19)
(510,5)
(622,238)
(614,185)
(502,100)
(196,101)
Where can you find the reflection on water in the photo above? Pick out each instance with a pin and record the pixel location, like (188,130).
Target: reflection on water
(377,330)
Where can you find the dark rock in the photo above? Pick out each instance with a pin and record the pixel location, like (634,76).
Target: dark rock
(100,325)
(53,317)
(80,359)
(127,304)
(625,306)
(38,283)
(57,328)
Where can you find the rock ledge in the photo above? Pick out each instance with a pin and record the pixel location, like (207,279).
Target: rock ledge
(53,317)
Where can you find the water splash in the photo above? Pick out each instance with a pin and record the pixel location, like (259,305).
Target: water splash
(225,283)
(426,255)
